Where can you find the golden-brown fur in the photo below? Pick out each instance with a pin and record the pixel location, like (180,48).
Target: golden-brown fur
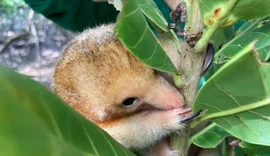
(97,73)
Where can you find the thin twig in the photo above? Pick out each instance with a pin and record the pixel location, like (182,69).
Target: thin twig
(201,44)
(190,69)
(34,33)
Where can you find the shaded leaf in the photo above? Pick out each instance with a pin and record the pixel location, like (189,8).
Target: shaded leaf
(222,36)
(209,137)
(134,32)
(251,149)
(34,121)
(250,31)
(237,98)
(247,33)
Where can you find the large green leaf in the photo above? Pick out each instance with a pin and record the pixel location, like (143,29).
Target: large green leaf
(209,137)
(250,31)
(35,122)
(242,10)
(134,32)
(237,98)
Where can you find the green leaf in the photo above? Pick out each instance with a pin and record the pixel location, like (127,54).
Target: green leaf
(258,30)
(209,137)
(134,32)
(151,11)
(237,98)
(222,36)
(251,149)
(35,122)
(242,10)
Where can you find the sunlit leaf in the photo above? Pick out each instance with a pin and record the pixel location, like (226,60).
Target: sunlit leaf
(237,97)
(35,122)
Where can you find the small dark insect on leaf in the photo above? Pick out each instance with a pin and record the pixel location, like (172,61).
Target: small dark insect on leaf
(210,52)
(193,116)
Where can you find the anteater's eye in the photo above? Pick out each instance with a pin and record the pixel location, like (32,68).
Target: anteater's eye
(129,101)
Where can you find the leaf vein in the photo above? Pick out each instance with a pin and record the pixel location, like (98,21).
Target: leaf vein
(227,93)
(141,38)
(131,13)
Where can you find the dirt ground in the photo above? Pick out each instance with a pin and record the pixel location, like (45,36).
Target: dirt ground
(35,43)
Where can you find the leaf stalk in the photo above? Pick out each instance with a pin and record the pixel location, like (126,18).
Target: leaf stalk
(236,110)
(201,44)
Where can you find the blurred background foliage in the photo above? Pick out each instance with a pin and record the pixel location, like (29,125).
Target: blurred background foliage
(12,4)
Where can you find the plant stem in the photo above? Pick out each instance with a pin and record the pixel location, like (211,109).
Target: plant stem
(226,10)
(236,110)
(190,69)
